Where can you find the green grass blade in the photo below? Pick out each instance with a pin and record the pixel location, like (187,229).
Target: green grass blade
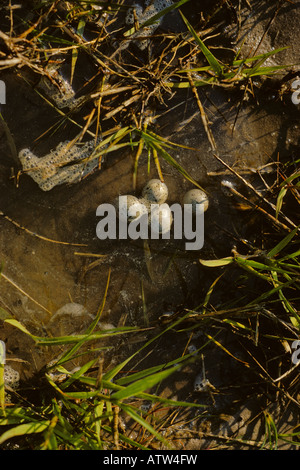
(216,263)
(261,266)
(265,57)
(156,17)
(80,30)
(90,329)
(24,429)
(279,201)
(169,159)
(76,375)
(212,60)
(17,324)
(281,245)
(113,372)
(140,386)
(151,370)
(270,293)
(140,420)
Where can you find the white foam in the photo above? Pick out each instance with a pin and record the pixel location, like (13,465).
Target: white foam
(151,10)
(58,89)
(11,377)
(63,165)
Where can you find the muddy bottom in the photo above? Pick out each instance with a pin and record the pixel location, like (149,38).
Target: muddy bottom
(52,257)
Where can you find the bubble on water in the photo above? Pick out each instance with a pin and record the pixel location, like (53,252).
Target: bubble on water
(57,88)
(130,14)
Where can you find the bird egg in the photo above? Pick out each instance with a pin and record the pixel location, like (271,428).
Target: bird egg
(161,218)
(196,197)
(155,191)
(130,208)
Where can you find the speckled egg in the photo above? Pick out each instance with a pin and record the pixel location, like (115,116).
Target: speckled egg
(129,208)
(155,191)
(146,203)
(196,197)
(160,219)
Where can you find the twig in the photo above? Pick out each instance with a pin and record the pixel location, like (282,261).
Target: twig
(288,372)
(249,185)
(202,113)
(10,281)
(41,237)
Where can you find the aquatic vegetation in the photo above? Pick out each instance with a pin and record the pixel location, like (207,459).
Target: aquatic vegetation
(127,92)
(94,401)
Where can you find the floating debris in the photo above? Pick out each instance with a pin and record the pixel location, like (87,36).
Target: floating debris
(227,186)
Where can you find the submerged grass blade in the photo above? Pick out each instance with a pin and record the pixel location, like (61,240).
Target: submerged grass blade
(283,243)
(113,372)
(145,425)
(90,329)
